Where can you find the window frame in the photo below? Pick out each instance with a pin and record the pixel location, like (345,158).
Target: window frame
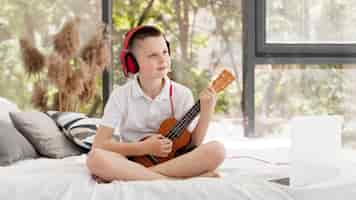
(107,75)
(265,49)
(258,51)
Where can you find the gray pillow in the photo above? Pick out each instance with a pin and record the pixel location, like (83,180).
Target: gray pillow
(42,132)
(13,146)
(6,107)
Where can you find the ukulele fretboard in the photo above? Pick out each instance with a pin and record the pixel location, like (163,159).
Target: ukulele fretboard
(177,130)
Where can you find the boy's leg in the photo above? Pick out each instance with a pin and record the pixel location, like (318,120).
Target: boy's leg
(112,166)
(202,160)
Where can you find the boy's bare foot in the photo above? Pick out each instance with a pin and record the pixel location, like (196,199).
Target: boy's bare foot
(212,174)
(99,180)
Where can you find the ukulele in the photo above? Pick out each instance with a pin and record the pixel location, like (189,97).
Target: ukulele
(176,130)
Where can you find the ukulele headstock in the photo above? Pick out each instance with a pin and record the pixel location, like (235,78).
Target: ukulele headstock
(222,81)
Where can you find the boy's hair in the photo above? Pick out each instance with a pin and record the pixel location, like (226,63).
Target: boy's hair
(142,33)
(127,58)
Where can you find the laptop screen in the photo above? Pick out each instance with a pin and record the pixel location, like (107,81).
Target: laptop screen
(315,152)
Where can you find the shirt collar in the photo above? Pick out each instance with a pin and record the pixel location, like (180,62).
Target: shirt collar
(138,92)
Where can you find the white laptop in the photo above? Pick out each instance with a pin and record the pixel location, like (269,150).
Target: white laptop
(315,153)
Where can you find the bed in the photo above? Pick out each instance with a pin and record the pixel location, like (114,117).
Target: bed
(245,175)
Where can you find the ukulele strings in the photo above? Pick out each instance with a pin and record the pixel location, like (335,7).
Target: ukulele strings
(182,123)
(175,131)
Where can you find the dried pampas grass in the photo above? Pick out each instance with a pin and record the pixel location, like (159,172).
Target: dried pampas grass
(75,84)
(97,53)
(87,71)
(102,55)
(58,70)
(33,59)
(55,63)
(55,104)
(63,101)
(39,96)
(72,73)
(67,41)
(88,92)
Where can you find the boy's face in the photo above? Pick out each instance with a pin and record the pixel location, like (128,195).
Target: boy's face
(152,56)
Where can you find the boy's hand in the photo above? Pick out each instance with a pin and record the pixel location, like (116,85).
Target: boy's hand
(207,100)
(158,145)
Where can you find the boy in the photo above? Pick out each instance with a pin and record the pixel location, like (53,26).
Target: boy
(137,109)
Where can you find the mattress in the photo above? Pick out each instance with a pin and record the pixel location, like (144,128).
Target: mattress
(245,175)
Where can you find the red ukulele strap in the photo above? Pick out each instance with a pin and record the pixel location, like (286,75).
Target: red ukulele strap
(171,98)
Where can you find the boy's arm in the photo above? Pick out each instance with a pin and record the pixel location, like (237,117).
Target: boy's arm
(104,140)
(201,128)
(207,105)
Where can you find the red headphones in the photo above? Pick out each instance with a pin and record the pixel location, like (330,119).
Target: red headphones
(128,61)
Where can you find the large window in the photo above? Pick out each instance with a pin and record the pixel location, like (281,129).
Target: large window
(310,21)
(283,92)
(38,21)
(308,28)
(299,62)
(205,37)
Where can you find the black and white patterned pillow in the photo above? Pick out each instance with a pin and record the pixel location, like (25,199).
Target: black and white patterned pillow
(78,128)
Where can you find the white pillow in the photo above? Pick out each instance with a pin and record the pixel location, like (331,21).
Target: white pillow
(6,107)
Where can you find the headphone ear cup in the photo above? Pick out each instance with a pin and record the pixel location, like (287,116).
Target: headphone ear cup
(131,63)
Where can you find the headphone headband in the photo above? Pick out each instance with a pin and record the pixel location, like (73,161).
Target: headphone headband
(129,35)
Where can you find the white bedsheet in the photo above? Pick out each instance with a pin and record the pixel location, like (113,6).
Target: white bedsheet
(69,179)
(243,178)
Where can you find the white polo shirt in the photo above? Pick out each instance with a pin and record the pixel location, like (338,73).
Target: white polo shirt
(135,115)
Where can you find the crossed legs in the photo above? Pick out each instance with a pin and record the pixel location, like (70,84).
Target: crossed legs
(113,166)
